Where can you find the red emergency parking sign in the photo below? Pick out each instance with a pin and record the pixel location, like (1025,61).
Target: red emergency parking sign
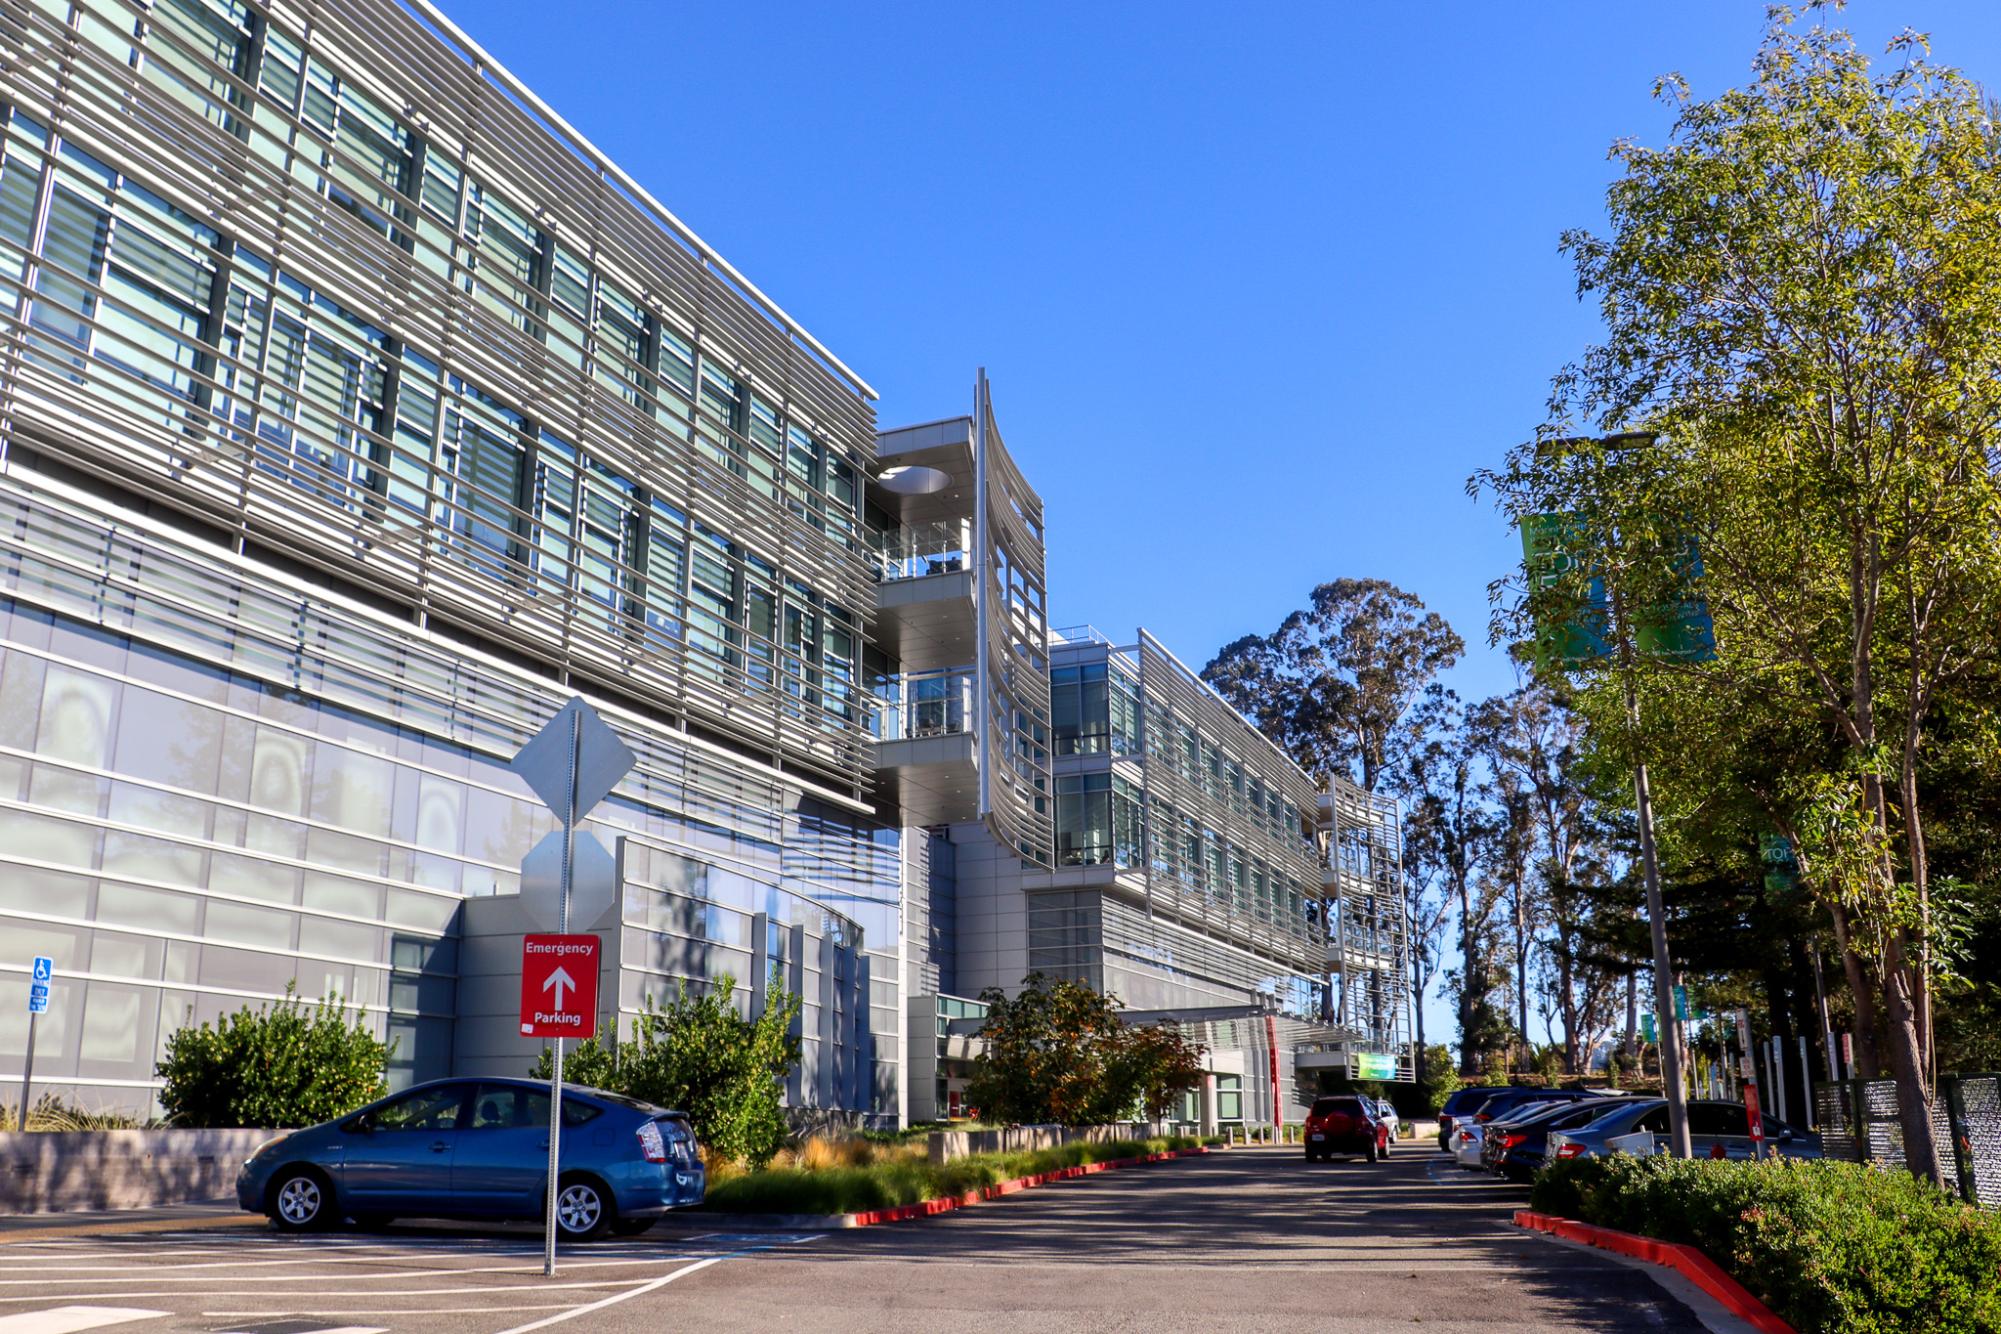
(559,986)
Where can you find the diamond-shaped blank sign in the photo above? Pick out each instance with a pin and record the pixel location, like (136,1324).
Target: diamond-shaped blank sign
(593,883)
(576,734)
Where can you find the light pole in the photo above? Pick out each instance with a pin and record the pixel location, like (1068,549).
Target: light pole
(1625,656)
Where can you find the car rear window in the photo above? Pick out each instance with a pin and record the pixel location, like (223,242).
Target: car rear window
(1466,1100)
(1330,1106)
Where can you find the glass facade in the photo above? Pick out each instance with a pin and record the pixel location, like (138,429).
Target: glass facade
(356,414)
(533,415)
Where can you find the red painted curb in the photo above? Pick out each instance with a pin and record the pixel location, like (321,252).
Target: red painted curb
(1691,1263)
(945,1204)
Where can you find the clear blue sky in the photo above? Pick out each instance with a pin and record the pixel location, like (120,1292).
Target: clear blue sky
(1258,286)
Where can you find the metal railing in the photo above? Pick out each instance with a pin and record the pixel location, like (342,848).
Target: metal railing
(1858,1124)
(924,704)
(943,546)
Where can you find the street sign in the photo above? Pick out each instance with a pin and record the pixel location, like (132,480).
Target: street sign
(42,974)
(571,764)
(559,986)
(593,883)
(576,734)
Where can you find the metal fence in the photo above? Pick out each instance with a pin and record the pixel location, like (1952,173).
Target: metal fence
(1858,1123)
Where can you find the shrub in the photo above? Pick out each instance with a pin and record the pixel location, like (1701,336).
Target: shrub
(52,1114)
(284,1065)
(1826,1245)
(702,1057)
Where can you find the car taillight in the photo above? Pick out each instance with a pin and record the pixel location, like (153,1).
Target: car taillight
(1509,1141)
(1569,1150)
(1484,1117)
(652,1145)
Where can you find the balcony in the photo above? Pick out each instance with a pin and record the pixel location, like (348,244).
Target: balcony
(925,757)
(924,704)
(918,551)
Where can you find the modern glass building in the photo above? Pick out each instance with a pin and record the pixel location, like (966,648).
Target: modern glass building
(355,412)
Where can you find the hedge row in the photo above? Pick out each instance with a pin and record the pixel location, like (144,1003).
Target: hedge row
(1827,1246)
(889,1181)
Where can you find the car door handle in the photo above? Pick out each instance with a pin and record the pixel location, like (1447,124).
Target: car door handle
(440,1147)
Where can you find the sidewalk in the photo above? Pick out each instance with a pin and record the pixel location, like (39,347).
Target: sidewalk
(115,1222)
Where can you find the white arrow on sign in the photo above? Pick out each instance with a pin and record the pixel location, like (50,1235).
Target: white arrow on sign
(559,979)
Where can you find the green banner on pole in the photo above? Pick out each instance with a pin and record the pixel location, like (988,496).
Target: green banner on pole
(1681,1004)
(1647,1028)
(1375,1065)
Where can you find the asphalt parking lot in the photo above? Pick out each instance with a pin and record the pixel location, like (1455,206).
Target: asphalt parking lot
(1249,1239)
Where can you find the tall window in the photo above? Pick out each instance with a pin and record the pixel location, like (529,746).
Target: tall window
(482,452)
(1083,819)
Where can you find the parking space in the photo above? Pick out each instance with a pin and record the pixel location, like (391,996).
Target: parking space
(1244,1240)
(258,1282)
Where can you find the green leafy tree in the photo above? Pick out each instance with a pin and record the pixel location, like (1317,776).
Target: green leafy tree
(1046,1051)
(1802,294)
(700,1056)
(283,1065)
(1148,1067)
(1441,1081)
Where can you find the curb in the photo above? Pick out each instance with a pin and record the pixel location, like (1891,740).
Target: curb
(1691,1263)
(927,1208)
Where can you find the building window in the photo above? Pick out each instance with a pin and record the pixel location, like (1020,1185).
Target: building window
(1128,825)
(1084,819)
(1080,719)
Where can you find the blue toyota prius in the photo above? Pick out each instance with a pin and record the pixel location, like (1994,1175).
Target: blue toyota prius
(479,1149)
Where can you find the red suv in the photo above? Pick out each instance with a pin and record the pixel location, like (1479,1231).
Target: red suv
(1345,1123)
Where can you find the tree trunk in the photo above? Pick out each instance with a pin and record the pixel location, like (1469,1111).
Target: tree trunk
(1521,966)
(1914,846)
(1572,1021)
(1417,980)
(1632,1043)
(1856,970)
(1914,1113)
(1907,1064)
(1471,973)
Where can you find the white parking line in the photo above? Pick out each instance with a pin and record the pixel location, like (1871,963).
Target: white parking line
(639,1291)
(70,1319)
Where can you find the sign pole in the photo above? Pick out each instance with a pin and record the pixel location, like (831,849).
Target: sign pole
(568,815)
(28,1067)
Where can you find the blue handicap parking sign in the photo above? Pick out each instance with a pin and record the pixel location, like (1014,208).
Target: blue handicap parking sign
(38,998)
(45,968)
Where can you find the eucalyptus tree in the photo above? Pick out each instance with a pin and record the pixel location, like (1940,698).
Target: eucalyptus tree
(1335,682)
(1802,294)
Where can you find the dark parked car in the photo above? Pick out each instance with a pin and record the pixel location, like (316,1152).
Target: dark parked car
(1462,1103)
(1346,1123)
(479,1148)
(1517,1148)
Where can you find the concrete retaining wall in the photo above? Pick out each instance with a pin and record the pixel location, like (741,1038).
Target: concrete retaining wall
(947,1145)
(120,1169)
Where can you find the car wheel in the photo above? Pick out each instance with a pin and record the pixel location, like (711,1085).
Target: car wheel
(301,1200)
(631,1227)
(583,1208)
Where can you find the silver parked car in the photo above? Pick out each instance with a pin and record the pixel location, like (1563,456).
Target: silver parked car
(1715,1130)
